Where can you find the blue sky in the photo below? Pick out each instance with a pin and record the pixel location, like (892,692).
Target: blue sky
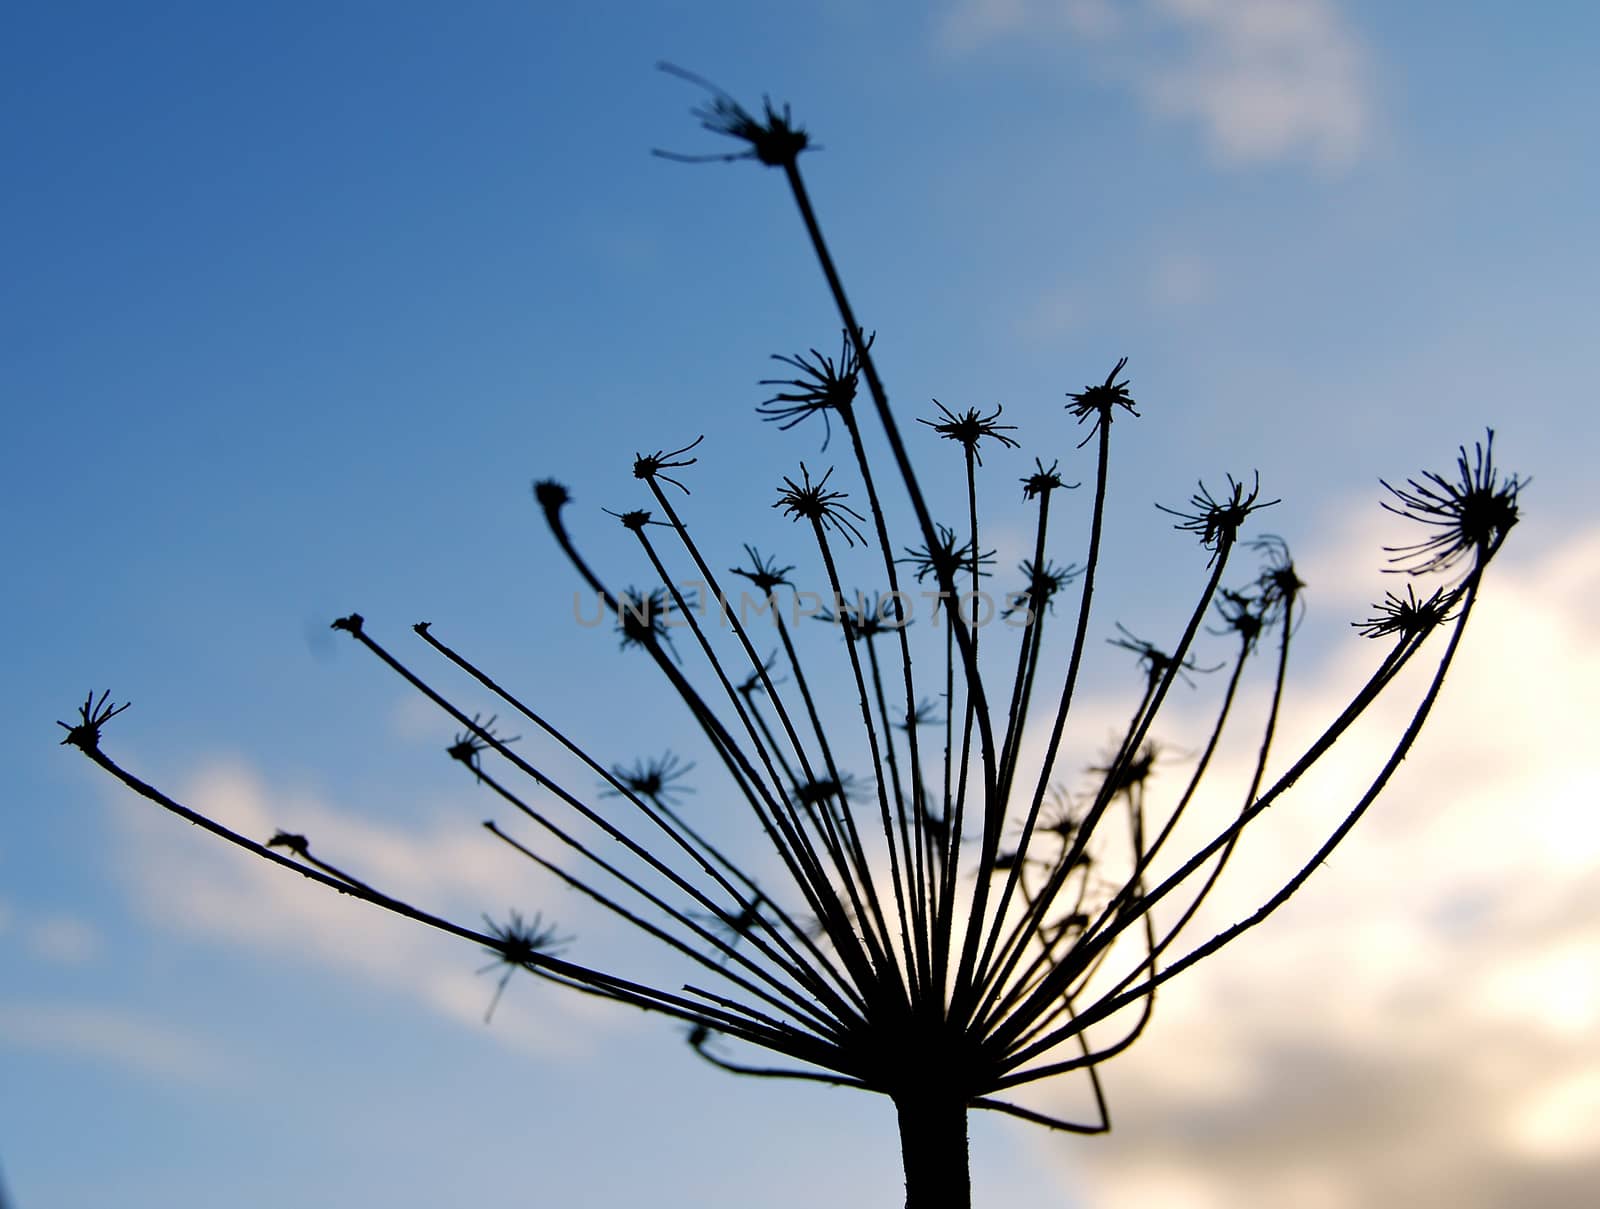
(299,298)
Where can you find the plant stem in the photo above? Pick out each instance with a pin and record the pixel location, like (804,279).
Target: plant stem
(933,1143)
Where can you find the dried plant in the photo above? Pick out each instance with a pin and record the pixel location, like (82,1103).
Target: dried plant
(945,928)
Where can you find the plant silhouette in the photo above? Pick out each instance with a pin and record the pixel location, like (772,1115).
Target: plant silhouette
(930,918)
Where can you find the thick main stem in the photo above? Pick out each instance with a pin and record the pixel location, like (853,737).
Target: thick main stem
(933,1143)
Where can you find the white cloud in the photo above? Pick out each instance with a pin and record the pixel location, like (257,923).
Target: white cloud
(1167,281)
(190,882)
(1266,78)
(1054,313)
(1261,79)
(1182,281)
(971,23)
(106,1035)
(1417,1026)
(62,938)
(56,936)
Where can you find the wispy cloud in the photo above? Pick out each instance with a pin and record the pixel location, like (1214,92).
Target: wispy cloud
(1157,283)
(62,938)
(1260,79)
(189,883)
(108,1035)
(971,23)
(54,936)
(1417,1027)
(1180,280)
(1266,78)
